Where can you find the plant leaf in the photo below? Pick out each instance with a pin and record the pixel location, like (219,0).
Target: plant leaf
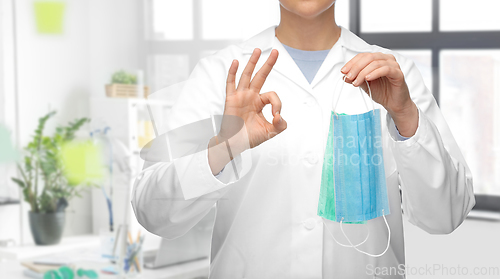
(19,182)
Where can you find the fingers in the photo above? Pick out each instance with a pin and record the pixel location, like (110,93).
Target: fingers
(378,69)
(231,77)
(248,71)
(360,79)
(279,125)
(385,71)
(261,76)
(273,99)
(352,68)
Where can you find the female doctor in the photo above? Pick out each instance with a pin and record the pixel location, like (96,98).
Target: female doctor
(265,180)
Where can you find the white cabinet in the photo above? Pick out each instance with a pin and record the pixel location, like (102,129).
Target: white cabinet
(130,123)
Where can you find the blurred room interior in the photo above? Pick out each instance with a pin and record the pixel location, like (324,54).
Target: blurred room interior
(95,61)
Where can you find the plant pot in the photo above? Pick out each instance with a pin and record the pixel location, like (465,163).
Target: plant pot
(49,16)
(117,90)
(47,228)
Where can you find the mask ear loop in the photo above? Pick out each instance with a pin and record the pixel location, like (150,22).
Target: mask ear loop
(370,94)
(368,254)
(344,245)
(334,104)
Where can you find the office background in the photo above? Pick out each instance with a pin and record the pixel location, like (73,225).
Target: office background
(454,43)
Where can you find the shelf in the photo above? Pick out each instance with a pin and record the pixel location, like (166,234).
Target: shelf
(134,101)
(8,201)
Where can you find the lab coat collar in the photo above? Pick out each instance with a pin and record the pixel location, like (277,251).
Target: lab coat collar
(267,40)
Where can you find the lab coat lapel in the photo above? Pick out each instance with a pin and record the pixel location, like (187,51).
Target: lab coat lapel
(266,40)
(349,44)
(333,58)
(287,67)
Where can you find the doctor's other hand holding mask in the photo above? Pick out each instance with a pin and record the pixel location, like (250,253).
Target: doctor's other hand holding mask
(388,87)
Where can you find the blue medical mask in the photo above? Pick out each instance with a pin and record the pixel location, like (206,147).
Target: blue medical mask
(353,186)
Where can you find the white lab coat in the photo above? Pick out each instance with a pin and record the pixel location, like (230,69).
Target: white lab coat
(266,222)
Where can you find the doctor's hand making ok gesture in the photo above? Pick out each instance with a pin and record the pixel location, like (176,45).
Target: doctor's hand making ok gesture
(245,102)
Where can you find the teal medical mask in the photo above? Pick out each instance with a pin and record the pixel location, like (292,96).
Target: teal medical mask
(353,186)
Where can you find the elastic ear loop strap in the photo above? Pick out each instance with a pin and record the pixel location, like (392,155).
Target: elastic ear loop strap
(344,245)
(371,255)
(342,82)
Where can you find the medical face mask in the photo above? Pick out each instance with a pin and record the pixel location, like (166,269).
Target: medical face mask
(353,186)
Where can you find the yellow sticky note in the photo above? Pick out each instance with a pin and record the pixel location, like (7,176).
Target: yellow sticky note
(49,16)
(82,161)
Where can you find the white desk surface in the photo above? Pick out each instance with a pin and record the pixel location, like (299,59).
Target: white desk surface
(475,243)
(197,269)
(86,248)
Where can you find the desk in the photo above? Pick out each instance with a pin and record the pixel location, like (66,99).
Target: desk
(476,243)
(11,268)
(197,269)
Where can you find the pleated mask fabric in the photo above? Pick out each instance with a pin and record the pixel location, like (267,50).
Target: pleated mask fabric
(353,185)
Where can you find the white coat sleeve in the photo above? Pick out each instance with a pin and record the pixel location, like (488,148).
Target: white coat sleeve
(435,180)
(169,198)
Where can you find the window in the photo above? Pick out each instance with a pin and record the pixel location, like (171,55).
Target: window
(179,33)
(167,69)
(386,16)
(423,61)
(456,46)
(216,14)
(464,15)
(171,24)
(470,101)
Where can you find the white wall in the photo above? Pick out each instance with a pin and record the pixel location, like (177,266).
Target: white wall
(62,72)
(114,45)
(2,71)
(9,214)
(114,40)
(7,112)
(53,69)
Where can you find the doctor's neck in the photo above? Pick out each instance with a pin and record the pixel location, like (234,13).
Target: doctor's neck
(318,32)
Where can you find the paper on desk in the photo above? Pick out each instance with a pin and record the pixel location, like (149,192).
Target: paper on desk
(67,258)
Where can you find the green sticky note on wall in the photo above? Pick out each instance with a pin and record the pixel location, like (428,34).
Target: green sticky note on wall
(49,16)
(7,151)
(82,161)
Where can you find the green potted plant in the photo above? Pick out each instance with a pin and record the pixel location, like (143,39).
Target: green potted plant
(124,85)
(43,181)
